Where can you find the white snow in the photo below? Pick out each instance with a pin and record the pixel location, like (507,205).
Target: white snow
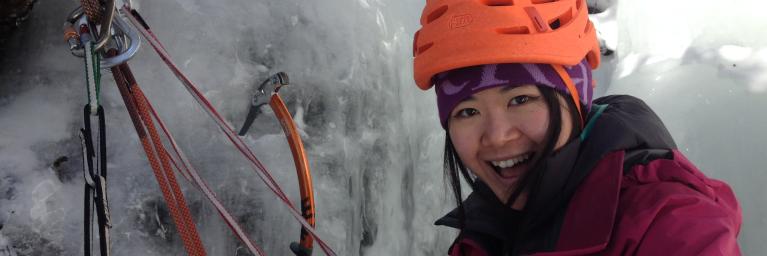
(701,66)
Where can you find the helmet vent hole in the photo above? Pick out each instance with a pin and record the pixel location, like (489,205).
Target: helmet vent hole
(424,48)
(555,25)
(436,14)
(562,20)
(543,1)
(415,43)
(513,30)
(498,2)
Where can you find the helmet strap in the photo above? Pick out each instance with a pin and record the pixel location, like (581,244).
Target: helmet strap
(570,87)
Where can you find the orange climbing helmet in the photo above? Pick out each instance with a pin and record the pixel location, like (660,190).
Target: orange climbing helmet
(464,33)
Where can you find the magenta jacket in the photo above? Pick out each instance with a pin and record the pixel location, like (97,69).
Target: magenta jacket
(657,205)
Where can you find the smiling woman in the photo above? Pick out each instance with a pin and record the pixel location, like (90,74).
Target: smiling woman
(500,134)
(552,171)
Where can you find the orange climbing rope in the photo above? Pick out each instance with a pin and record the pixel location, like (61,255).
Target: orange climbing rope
(142,114)
(159,161)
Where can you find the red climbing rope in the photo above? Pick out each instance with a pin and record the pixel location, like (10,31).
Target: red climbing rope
(140,109)
(260,169)
(158,160)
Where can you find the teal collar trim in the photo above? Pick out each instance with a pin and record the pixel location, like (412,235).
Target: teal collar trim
(590,124)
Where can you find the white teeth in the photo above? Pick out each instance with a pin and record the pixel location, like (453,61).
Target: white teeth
(511,162)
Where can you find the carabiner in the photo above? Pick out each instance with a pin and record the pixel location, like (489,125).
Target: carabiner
(122,29)
(105,32)
(127,54)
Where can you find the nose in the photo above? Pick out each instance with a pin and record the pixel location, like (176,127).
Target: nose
(499,129)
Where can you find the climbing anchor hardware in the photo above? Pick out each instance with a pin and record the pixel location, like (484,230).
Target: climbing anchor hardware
(118,35)
(97,32)
(94,158)
(87,40)
(95,172)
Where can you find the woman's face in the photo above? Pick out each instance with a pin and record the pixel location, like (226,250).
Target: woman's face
(496,133)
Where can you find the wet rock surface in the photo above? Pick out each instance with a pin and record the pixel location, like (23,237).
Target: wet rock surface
(12,14)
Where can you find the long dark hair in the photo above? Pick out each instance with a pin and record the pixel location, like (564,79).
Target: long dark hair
(453,166)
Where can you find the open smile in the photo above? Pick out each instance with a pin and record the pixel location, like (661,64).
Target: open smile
(510,169)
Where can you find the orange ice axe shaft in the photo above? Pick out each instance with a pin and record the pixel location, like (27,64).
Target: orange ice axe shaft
(271,86)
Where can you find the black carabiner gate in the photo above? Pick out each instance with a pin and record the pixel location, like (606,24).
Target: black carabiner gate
(95,181)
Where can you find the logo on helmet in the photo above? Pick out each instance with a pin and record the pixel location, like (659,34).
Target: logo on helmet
(460,21)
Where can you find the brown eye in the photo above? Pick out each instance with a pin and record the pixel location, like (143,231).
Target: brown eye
(466,112)
(519,100)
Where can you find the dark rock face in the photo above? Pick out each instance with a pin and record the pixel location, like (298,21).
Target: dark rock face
(13,13)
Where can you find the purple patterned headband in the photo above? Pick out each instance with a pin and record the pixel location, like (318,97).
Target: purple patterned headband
(456,85)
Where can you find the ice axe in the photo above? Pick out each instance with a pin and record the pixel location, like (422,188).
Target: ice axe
(262,97)
(267,94)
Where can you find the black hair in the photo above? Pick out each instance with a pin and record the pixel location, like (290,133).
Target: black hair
(453,166)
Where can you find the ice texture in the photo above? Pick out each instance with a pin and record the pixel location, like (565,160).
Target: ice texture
(373,139)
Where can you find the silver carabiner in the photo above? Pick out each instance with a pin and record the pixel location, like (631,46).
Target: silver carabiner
(71,33)
(105,32)
(122,29)
(123,56)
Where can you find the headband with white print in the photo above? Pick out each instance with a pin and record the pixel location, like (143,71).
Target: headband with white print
(454,86)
